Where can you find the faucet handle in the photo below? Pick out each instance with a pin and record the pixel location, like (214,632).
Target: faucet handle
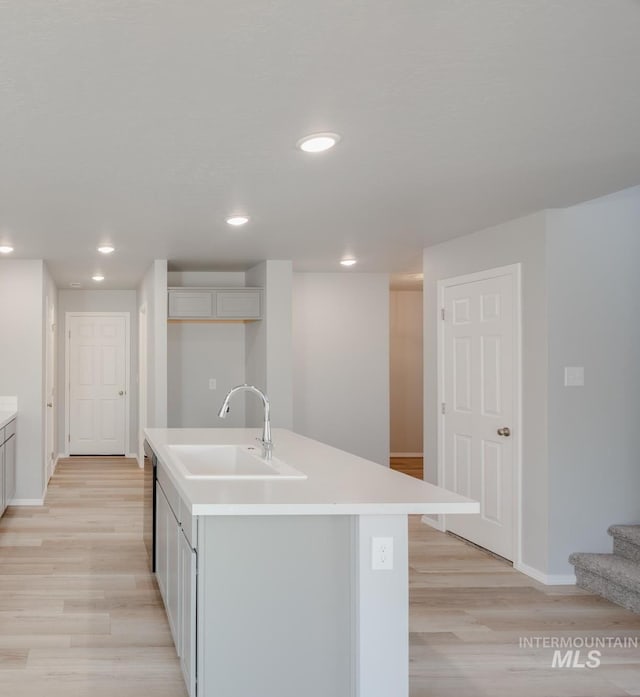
(267,447)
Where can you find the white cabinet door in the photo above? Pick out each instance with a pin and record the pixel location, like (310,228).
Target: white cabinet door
(173,580)
(193,303)
(162,518)
(168,562)
(10,469)
(238,304)
(188,579)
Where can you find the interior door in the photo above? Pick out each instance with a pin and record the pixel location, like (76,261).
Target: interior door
(50,390)
(97,384)
(479,376)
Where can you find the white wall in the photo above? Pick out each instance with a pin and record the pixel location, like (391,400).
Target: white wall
(97,301)
(521,240)
(269,347)
(207,279)
(581,298)
(341,361)
(152,295)
(198,351)
(405,371)
(22,289)
(593,258)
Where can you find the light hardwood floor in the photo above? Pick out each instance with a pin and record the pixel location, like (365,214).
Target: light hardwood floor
(80,615)
(413,466)
(469,611)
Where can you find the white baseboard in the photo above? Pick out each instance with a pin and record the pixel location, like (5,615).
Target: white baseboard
(433,522)
(547,579)
(132,455)
(27,502)
(406,455)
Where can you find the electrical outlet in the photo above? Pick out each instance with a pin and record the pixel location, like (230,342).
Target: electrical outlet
(212,383)
(574,376)
(382,553)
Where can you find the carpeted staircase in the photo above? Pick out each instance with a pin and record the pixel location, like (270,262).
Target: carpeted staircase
(616,576)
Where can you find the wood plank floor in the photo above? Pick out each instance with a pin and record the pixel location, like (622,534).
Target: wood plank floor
(80,615)
(413,466)
(469,611)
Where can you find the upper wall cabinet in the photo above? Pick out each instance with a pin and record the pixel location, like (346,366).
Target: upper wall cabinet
(215,303)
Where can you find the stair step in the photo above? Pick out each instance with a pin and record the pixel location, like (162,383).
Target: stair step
(630,533)
(626,541)
(609,575)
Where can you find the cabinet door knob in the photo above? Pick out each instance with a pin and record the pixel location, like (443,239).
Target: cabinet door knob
(121,392)
(50,404)
(505,431)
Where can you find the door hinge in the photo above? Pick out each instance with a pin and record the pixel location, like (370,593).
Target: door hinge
(69,333)
(442,313)
(69,438)
(443,408)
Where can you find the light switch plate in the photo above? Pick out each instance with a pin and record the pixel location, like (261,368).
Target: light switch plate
(212,383)
(574,376)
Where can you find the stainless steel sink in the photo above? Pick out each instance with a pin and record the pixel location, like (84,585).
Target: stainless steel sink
(230,462)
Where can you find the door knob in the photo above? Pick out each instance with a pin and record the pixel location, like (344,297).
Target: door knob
(121,392)
(50,404)
(506,431)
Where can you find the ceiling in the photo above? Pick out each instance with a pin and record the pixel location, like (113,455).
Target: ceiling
(146,122)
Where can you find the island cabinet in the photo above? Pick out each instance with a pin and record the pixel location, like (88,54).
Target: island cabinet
(176,573)
(283,588)
(282,605)
(7,464)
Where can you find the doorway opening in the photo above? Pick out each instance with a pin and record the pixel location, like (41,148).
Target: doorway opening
(405,374)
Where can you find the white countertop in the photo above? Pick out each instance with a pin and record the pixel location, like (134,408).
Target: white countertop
(6,415)
(337,483)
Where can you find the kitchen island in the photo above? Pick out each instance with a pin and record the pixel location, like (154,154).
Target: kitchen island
(282,587)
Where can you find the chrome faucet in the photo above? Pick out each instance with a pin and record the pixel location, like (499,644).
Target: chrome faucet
(267,444)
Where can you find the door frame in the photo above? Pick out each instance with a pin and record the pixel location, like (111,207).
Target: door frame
(515,272)
(127,373)
(142,380)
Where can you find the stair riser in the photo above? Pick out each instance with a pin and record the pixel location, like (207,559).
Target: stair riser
(626,549)
(608,589)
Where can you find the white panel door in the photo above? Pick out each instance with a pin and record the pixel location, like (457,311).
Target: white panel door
(479,364)
(97,384)
(50,389)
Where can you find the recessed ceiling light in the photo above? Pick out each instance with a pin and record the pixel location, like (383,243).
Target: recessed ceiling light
(238,220)
(106,249)
(348,262)
(6,249)
(98,277)
(318,142)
